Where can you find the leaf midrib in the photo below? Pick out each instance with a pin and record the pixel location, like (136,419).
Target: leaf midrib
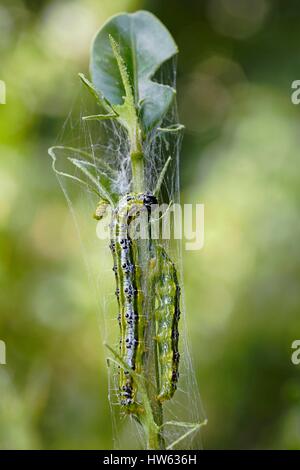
(134,65)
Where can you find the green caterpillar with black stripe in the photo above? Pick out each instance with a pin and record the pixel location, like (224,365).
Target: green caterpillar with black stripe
(167,314)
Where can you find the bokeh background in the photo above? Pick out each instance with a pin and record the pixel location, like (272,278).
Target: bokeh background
(240,158)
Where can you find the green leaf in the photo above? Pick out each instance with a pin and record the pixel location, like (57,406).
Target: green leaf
(126,64)
(161,177)
(100,99)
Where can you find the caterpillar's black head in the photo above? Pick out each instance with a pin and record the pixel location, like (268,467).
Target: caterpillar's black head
(149,199)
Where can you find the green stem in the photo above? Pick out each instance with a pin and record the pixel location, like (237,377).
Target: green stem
(137,165)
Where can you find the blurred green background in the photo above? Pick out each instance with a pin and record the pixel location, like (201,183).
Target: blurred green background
(240,158)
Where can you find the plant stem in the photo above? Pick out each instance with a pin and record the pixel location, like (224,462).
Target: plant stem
(137,165)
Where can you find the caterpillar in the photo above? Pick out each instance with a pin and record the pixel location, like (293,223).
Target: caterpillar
(167,315)
(129,293)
